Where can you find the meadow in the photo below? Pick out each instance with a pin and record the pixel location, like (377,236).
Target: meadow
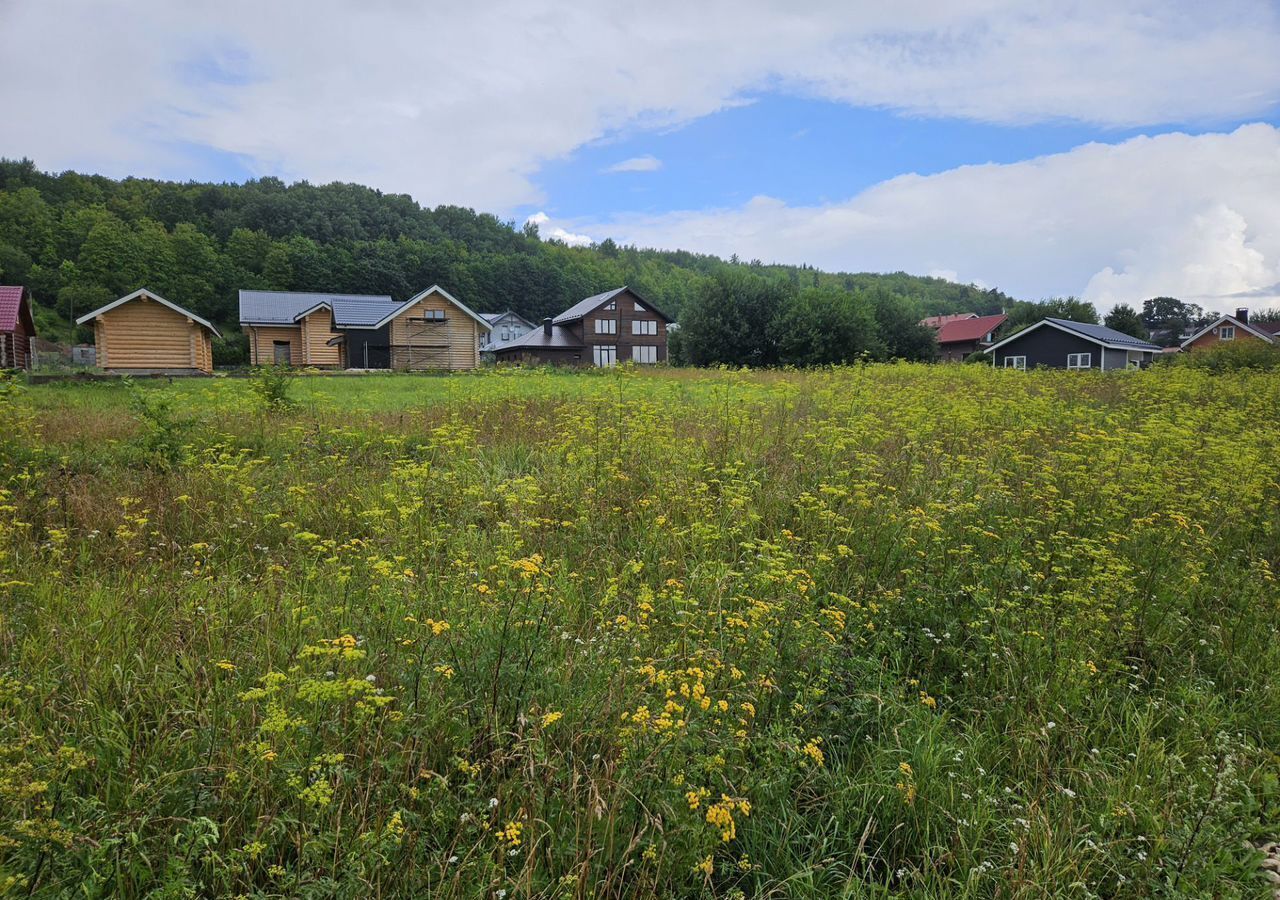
(892,630)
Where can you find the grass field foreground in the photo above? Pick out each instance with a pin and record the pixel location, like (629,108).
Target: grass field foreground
(886,630)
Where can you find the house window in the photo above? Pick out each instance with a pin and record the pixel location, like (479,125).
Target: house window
(1227,333)
(613,304)
(605,356)
(644,354)
(1016,362)
(506,333)
(428,315)
(1079,360)
(606,326)
(641,326)
(282,353)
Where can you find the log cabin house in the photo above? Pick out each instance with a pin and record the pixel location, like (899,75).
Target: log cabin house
(143,333)
(17,327)
(431,330)
(602,330)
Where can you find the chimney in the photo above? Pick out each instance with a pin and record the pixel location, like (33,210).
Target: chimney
(546,327)
(1242,315)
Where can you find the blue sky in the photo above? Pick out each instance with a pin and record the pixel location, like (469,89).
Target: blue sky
(1112,149)
(802,150)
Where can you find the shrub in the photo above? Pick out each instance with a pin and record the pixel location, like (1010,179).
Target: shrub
(1233,356)
(161,440)
(272,384)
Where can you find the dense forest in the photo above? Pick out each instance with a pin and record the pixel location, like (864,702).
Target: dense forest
(79,241)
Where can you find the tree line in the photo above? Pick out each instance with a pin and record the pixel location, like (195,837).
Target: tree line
(79,241)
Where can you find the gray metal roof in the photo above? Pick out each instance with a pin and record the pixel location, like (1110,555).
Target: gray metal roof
(561,338)
(582,307)
(1103,334)
(284,307)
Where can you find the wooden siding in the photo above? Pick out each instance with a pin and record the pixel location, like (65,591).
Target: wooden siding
(451,344)
(262,340)
(15,346)
(145,335)
(316,331)
(623,339)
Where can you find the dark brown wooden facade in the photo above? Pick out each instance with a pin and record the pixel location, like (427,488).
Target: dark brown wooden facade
(614,327)
(17,327)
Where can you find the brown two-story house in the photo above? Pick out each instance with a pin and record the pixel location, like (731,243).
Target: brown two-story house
(604,330)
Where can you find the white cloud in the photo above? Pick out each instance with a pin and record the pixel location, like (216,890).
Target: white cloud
(463,103)
(547,229)
(1196,217)
(636,164)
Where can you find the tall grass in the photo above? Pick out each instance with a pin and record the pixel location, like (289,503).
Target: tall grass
(888,630)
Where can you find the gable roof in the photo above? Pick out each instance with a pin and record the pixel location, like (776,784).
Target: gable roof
(143,292)
(11,305)
(1256,331)
(939,321)
(969,329)
(590,304)
(287,307)
(1098,334)
(434,289)
(495,318)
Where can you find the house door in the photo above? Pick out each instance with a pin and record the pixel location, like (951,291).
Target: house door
(282,354)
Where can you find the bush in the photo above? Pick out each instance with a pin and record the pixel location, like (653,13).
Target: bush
(1234,356)
(272,385)
(161,440)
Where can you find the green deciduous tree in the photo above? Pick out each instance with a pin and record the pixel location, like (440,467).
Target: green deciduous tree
(1126,319)
(822,326)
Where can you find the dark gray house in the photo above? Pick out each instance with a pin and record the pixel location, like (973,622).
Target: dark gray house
(1062,344)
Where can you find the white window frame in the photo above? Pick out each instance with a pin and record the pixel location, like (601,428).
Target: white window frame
(606,326)
(1016,362)
(1080,360)
(604,355)
(644,354)
(611,305)
(1227,333)
(644,326)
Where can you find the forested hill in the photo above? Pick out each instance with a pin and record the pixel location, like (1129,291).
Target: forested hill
(79,241)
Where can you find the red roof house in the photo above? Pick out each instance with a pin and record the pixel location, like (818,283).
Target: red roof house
(17,327)
(936,322)
(960,337)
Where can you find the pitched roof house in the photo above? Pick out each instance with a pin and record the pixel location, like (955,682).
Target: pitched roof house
(144,333)
(959,337)
(507,326)
(17,327)
(602,330)
(1231,328)
(1063,344)
(430,330)
(936,322)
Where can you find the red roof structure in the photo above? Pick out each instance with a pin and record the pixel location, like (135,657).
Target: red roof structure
(936,322)
(10,303)
(960,331)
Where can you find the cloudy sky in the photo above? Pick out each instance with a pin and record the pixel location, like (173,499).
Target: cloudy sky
(1114,149)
